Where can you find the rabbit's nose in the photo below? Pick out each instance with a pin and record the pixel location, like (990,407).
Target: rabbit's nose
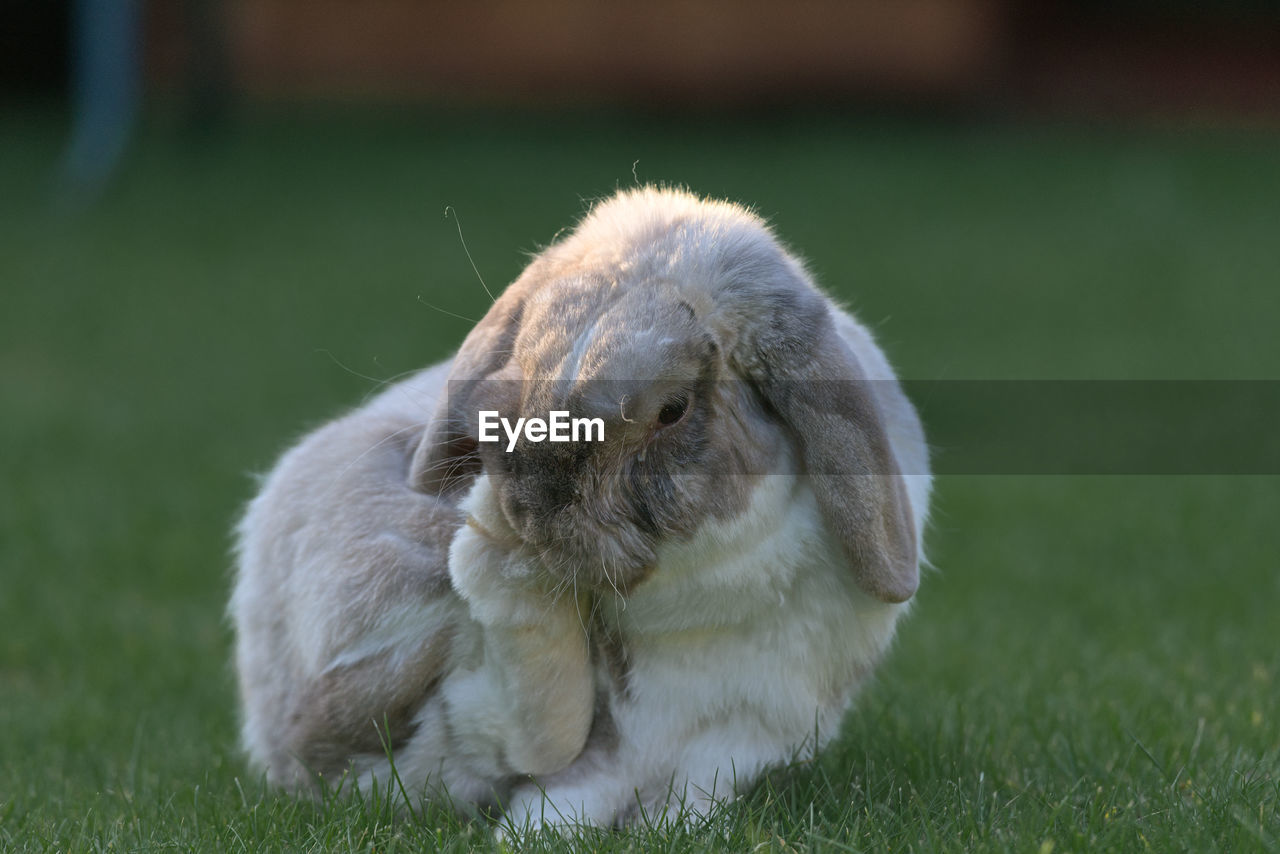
(541,499)
(559,493)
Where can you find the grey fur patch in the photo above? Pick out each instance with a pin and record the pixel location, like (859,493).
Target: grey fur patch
(362,708)
(609,651)
(604,736)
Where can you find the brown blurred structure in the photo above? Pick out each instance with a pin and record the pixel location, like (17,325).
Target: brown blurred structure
(1170,59)
(1184,61)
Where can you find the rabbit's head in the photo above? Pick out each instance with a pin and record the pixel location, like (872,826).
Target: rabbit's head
(709,359)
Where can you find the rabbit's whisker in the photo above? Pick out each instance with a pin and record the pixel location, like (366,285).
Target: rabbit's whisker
(457,221)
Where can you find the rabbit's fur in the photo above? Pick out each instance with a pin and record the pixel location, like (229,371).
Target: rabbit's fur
(579,632)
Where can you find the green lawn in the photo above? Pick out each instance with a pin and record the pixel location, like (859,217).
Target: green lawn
(1094,665)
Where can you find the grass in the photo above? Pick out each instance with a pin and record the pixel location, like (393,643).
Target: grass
(1094,667)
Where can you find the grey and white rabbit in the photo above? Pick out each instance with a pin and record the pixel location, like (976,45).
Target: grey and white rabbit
(583,632)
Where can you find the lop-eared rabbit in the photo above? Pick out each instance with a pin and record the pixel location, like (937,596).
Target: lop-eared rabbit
(592,631)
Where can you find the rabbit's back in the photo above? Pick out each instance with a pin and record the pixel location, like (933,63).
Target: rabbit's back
(343,609)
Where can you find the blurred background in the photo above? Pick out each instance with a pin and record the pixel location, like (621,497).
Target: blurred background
(1172,59)
(223,221)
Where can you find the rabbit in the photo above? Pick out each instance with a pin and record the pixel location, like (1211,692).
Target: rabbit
(592,633)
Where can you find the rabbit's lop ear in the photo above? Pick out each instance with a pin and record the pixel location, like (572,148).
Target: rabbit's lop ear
(812,379)
(446,458)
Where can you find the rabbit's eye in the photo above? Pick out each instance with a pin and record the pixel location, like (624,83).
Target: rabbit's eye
(673,410)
